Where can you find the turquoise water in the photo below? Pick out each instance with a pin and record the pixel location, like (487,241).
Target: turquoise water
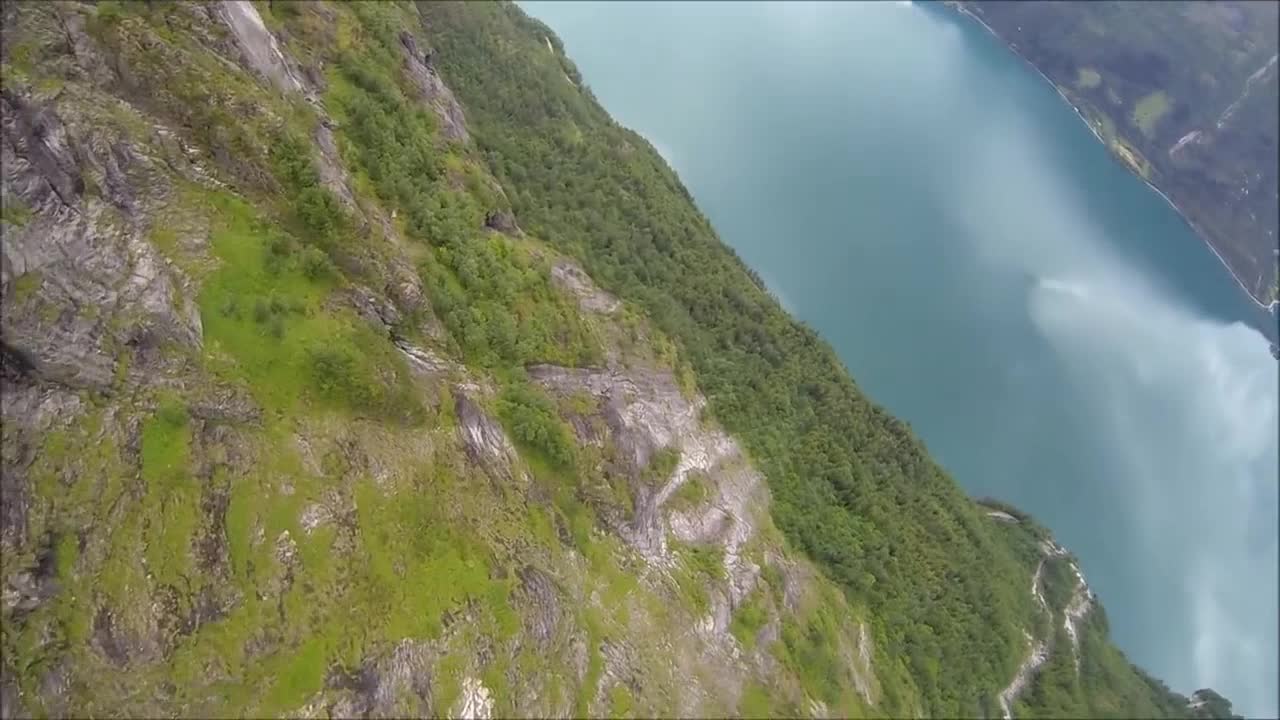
(1049,326)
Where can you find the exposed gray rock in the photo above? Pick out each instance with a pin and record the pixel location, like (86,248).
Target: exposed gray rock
(1074,613)
(36,137)
(398,684)
(424,362)
(646,411)
(404,286)
(483,438)
(181,158)
(36,408)
(98,285)
(90,289)
(1037,655)
(285,550)
(11,705)
(225,404)
(590,298)
(541,600)
(375,309)
(55,686)
(432,90)
(332,173)
(504,221)
(1040,650)
(259,47)
(860,665)
(26,591)
(262,53)
(475,703)
(89,60)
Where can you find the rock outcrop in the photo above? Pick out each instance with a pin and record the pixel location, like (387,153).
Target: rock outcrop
(432,90)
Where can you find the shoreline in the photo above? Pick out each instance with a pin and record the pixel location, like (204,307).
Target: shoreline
(1270,308)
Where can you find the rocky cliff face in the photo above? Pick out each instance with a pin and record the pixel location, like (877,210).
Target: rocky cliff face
(246,471)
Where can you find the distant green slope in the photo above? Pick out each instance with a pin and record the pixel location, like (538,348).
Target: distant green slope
(1185,93)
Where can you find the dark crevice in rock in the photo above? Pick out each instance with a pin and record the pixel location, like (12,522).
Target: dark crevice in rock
(542,602)
(42,140)
(205,608)
(106,640)
(15,364)
(432,90)
(362,681)
(503,221)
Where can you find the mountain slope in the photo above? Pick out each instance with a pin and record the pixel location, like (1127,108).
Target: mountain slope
(1185,94)
(313,405)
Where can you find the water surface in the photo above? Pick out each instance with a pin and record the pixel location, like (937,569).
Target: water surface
(1050,327)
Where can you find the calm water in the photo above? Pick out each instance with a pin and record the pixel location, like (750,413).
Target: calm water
(1048,325)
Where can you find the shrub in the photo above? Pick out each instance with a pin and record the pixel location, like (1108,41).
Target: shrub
(360,371)
(532,420)
(315,264)
(333,368)
(230,308)
(173,412)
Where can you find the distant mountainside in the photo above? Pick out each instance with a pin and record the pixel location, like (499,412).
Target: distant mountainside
(1183,93)
(355,363)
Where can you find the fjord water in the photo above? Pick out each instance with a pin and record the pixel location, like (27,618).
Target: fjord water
(1049,326)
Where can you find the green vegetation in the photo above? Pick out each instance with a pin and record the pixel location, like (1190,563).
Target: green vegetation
(748,619)
(1107,684)
(691,493)
(809,648)
(1157,76)
(661,465)
(165,459)
(25,285)
(14,211)
(408,548)
(494,297)
(1148,111)
(698,569)
(533,422)
(620,702)
(756,703)
(1088,78)
(295,512)
(851,486)
(262,318)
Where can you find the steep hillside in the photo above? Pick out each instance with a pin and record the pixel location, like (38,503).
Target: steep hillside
(330,392)
(1185,94)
